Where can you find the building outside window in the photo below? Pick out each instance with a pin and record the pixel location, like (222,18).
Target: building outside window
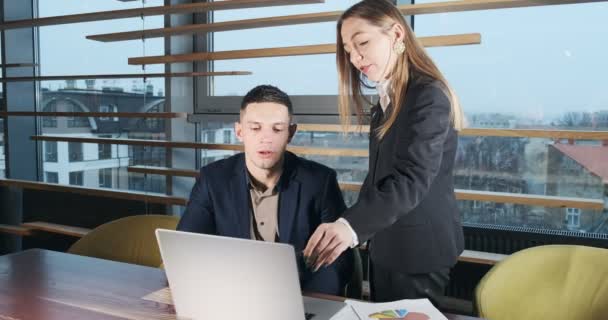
(77,178)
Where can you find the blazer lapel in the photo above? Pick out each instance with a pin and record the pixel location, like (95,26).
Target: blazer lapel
(239,190)
(374,143)
(289,198)
(288,205)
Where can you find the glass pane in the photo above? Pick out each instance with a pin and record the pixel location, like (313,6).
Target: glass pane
(90,164)
(75,151)
(51,177)
(50,151)
(531,166)
(511,165)
(105,151)
(348,169)
(96,160)
(105,178)
(303,75)
(541,218)
(77,178)
(78,55)
(525,75)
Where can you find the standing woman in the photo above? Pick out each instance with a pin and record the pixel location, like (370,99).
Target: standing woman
(406,207)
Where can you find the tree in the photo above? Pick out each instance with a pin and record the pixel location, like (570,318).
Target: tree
(575,119)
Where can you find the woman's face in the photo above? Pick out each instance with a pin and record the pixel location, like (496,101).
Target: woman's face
(370,48)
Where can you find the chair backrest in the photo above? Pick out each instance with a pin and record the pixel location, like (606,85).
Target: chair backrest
(354,288)
(129,239)
(548,282)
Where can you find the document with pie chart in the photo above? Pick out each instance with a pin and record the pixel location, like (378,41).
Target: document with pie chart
(416,309)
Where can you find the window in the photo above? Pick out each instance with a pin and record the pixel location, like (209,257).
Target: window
(85,57)
(227,136)
(51,177)
(349,169)
(149,183)
(316,73)
(105,109)
(75,151)
(155,124)
(476,204)
(64,50)
(50,122)
(50,151)
(76,122)
(77,178)
(573,218)
(105,151)
(105,178)
(147,156)
(137,182)
(493,82)
(209,136)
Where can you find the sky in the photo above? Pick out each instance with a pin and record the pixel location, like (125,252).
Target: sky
(64,50)
(533,62)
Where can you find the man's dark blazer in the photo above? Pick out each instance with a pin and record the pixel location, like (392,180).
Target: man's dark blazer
(308,196)
(407,206)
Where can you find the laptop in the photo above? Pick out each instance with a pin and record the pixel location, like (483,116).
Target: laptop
(214,277)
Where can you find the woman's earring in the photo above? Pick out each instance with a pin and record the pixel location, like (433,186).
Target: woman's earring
(399,47)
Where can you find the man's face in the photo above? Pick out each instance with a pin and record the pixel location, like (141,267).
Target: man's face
(264,129)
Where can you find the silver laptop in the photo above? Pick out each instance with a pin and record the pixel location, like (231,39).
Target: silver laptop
(213,277)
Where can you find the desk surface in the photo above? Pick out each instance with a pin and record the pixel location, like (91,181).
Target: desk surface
(40,284)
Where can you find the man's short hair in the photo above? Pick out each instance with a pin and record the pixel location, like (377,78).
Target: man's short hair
(267,93)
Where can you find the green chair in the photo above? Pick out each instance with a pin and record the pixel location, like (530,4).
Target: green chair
(557,282)
(131,239)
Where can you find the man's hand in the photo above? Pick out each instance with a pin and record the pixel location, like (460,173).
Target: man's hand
(326,244)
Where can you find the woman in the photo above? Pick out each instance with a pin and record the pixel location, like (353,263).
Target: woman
(406,207)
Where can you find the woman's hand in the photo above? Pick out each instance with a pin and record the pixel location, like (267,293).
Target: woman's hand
(326,244)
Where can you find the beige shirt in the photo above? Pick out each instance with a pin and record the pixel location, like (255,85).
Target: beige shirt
(265,206)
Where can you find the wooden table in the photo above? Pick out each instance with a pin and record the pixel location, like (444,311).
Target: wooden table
(39,284)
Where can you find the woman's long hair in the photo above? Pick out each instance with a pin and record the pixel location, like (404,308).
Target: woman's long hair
(415,60)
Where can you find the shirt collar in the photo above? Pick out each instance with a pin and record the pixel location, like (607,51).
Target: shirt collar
(384,92)
(252,186)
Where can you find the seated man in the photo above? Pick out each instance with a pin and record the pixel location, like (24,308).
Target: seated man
(268,193)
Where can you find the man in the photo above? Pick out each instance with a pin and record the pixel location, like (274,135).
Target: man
(268,193)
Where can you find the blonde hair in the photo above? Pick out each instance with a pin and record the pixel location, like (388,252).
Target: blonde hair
(384,14)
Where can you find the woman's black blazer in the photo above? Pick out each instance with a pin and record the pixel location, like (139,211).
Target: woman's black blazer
(407,206)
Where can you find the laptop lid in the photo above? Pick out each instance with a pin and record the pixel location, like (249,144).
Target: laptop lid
(214,277)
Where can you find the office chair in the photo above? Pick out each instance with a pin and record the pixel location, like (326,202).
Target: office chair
(556,282)
(130,239)
(354,288)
